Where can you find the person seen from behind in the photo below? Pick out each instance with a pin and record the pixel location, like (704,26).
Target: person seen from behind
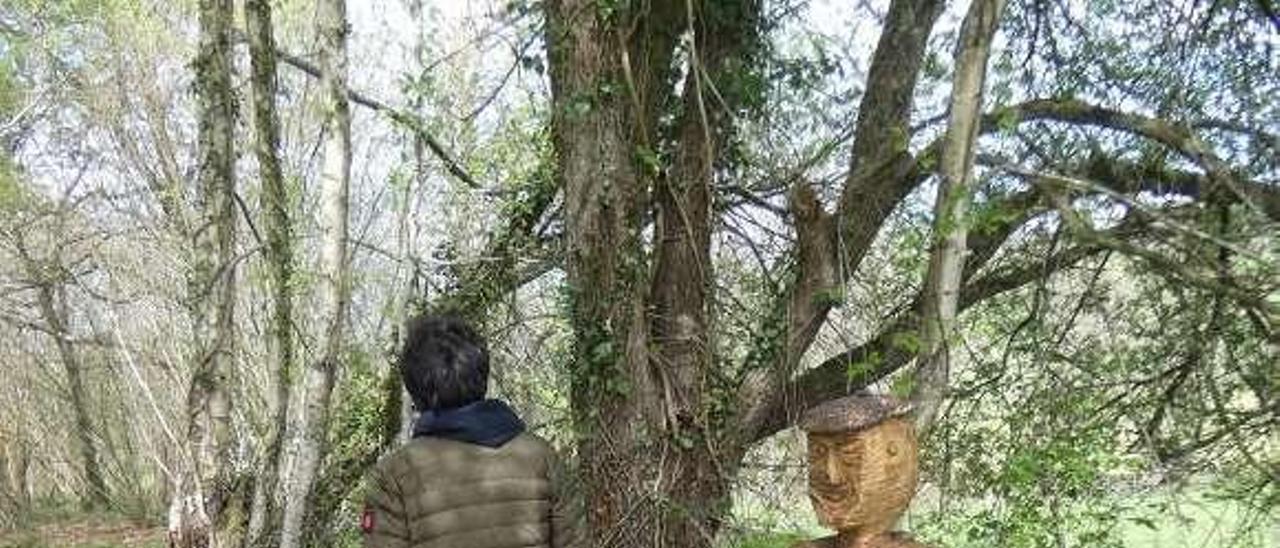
(471,476)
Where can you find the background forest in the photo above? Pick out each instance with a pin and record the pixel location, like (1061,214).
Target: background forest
(1052,224)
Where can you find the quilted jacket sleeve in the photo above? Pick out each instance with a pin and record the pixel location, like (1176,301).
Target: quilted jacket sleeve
(383,521)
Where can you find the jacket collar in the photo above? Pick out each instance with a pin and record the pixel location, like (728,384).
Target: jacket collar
(490,423)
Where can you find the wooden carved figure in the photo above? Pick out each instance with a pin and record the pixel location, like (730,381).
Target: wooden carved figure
(863,470)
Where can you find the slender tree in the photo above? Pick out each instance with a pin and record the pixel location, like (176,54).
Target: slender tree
(946,261)
(53,307)
(275,208)
(312,426)
(48,276)
(204,483)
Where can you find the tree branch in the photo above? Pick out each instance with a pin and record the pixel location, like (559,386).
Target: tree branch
(1173,135)
(877,185)
(894,346)
(403,117)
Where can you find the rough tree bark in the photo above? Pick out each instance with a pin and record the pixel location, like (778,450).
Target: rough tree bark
(279,253)
(946,259)
(648,441)
(309,438)
(203,479)
(8,505)
(604,198)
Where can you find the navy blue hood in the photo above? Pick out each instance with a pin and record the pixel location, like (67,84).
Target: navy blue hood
(490,423)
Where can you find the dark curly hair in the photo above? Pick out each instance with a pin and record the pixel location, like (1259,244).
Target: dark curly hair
(444,363)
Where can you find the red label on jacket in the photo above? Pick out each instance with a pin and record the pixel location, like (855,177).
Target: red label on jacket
(366,521)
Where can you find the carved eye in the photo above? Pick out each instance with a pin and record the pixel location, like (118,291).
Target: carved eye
(893,449)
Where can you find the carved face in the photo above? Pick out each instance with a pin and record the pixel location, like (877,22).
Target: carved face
(835,462)
(863,480)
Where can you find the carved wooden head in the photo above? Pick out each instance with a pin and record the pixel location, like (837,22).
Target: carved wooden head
(863,463)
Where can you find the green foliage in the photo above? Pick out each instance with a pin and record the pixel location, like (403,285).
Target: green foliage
(1007,120)
(649,160)
(10,191)
(358,418)
(11,91)
(577,108)
(830,296)
(906,341)
(1051,436)
(1034,452)
(768,540)
(860,369)
(902,384)
(986,217)
(1049,491)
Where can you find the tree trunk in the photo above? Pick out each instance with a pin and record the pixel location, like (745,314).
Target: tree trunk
(648,454)
(16,470)
(22,478)
(8,502)
(946,261)
(14,494)
(275,209)
(310,438)
(53,307)
(203,476)
(406,233)
(606,264)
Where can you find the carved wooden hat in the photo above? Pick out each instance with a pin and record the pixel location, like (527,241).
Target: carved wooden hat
(853,413)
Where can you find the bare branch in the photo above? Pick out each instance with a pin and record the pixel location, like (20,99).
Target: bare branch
(403,117)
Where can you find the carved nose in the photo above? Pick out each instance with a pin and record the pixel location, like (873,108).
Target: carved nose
(834,475)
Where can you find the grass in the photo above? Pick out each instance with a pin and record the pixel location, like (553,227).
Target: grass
(86,533)
(1187,519)
(769,540)
(1198,521)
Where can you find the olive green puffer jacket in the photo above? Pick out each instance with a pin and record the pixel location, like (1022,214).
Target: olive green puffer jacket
(439,493)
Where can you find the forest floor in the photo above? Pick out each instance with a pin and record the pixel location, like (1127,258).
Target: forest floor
(88,534)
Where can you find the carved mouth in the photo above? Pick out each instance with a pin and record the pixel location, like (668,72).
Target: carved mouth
(831,499)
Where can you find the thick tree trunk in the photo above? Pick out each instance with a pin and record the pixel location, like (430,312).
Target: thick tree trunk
(275,209)
(605,195)
(53,308)
(309,439)
(203,479)
(649,459)
(703,458)
(946,261)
